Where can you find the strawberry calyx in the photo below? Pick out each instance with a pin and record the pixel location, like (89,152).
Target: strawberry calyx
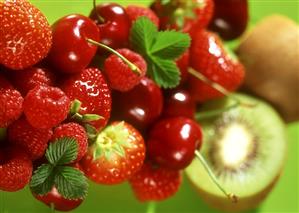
(75,113)
(111,141)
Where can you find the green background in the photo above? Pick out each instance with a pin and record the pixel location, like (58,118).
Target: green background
(284,197)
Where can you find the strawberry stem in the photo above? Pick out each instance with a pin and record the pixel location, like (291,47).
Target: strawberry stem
(151,207)
(100,18)
(218,87)
(230,196)
(132,66)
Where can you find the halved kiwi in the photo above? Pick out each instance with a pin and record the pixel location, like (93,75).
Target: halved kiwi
(245,148)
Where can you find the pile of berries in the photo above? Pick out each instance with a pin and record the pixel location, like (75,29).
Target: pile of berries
(108,97)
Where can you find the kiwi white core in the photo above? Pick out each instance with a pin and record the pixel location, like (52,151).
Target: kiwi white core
(235,146)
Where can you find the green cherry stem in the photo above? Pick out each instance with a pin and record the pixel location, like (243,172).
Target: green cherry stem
(230,196)
(132,66)
(52,207)
(100,18)
(151,207)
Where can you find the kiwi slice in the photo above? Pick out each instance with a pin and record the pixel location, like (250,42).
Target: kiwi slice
(245,148)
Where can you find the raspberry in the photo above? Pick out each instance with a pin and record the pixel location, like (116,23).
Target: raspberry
(26,80)
(119,74)
(11,103)
(34,141)
(76,131)
(46,107)
(135,12)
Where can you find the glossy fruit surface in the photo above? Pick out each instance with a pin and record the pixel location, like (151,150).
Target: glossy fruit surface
(114,27)
(152,183)
(25,35)
(209,57)
(140,106)
(178,102)
(173,141)
(134,12)
(59,203)
(117,154)
(70,52)
(230,18)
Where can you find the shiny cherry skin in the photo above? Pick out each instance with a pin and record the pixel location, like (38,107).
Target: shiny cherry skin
(173,141)
(178,102)
(183,65)
(70,52)
(140,106)
(115,26)
(230,18)
(59,203)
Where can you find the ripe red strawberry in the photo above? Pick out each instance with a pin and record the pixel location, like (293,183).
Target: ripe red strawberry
(25,34)
(27,79)
(120,75)
(11,103)
(134,12)
(46,107)
(208,56)
(155,183)
(75,131)
(117,154)
(91,89)
(15,169)
(184,15)
(60,203)
(34,141)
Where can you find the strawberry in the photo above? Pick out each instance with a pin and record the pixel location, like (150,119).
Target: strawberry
(46,107)
(134,12)
(117,154)
(11,103)
(29,78)
(25,34)
(155,183)
(91,89)
(15,169)
(184,15)
(76,131)
(120,75)
(208,56)
(58,201)
(34,141)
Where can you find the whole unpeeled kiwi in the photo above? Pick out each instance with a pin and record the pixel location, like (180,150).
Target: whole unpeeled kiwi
(246,148)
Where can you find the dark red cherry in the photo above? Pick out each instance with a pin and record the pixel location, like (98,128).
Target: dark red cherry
(172,142)
(230,18)
(140,106)
(183,64)
(114,24)
(70,52)
(178,102)
(59,203)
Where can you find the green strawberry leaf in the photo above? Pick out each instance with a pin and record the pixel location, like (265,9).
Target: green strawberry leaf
(71,183)
(170,44)
(159,49)
(62,151)
(43,179)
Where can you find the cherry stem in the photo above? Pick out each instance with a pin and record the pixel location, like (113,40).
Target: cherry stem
(218,87)
(230,196)
(151,207)
(100,18)
(132,66)
(52,207)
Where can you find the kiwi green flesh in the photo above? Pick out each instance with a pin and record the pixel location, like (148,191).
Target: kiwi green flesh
(245,147)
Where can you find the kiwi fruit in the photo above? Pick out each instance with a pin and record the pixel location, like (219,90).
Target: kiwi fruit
(245,147)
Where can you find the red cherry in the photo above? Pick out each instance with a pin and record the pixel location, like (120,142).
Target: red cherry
(114,27)
(59,203)
(173,141)
(183,64)
(70,52)
(140,106)
(230,18)
(178,102)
